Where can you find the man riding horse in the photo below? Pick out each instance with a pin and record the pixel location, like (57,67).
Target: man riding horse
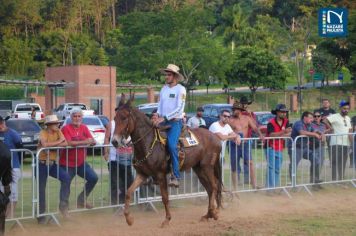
(171,108)
(6,179)
(150,154)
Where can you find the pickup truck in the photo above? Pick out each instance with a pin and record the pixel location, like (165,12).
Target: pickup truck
(63,110)
(24,110)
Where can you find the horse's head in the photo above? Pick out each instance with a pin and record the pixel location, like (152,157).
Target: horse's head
(124,122)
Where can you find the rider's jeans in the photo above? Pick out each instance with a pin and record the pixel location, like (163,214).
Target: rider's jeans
(172,141)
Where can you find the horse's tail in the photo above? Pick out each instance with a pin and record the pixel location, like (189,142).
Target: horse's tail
(218,175)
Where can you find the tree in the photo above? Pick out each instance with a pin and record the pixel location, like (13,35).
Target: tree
(324,63)
(351,43)
(330,56)
(100,58)
(257,67)
(152,40)
(16,56)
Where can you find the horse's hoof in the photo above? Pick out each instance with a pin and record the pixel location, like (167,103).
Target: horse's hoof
(165,223)
(215,216)
(129,220)
(204,219)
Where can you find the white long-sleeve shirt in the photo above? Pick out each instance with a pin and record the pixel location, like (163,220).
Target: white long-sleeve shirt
(172,102)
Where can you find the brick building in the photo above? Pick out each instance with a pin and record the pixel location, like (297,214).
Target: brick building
(93,85)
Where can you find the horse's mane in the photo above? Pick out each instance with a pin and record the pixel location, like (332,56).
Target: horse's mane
(138,114)
(142,116)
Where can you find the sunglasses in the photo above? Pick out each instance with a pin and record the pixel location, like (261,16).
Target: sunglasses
(317,116)
(226,116)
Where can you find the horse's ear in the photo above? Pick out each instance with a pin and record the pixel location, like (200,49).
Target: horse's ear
(122,100)
(132,98)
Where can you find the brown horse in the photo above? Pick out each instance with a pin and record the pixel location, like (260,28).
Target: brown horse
(150,158)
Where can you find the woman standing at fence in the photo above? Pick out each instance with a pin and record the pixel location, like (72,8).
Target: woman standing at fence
(47,163)
(12,140)
(119,164)
(318,147)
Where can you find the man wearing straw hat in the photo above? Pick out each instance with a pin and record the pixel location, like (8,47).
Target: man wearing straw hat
(47,162)
(171,108)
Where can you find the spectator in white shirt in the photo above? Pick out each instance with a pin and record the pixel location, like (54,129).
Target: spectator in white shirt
(197,120)
(224,131)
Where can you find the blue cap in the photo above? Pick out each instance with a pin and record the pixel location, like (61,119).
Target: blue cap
(344,103)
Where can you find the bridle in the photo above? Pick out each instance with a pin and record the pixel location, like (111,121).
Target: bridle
(128,129)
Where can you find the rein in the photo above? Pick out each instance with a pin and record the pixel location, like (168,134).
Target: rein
(138,140)
(139,162)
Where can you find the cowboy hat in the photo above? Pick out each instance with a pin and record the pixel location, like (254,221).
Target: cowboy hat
(51,119)
(238,106)
(174,69)
(245,101)
(279,107)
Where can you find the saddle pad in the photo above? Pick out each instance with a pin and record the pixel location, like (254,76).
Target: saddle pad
(189,140)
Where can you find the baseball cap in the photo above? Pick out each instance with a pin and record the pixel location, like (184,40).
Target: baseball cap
(344,103)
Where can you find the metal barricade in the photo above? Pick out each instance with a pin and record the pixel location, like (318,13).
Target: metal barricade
(318,162)
(23,187)
(107,181)
(256,164)
(88,184)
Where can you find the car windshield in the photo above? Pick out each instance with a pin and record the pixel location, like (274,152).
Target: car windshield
(81,107)
(147,110)
(88,121)
(23,125)
(104,120)
(26,108)
(264,118)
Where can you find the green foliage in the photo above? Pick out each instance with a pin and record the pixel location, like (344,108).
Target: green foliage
(152,40)
(324,63)
(256,67)
(351,41)
(140,37)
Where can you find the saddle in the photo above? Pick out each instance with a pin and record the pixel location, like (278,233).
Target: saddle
(186,139)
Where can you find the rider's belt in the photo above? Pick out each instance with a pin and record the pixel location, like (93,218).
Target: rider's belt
(176,119)
(46,162)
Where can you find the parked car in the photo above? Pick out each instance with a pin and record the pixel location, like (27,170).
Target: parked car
(105,120)
(24,110)
(212,112)
(63,110)
(28,129)
(262,118)
(147,108)
(95,126)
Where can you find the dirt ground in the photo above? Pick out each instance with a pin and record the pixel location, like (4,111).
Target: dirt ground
(331,211)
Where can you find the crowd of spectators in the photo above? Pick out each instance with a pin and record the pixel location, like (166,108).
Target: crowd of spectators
(231,128)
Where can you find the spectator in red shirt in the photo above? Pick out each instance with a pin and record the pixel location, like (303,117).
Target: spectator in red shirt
(73,160)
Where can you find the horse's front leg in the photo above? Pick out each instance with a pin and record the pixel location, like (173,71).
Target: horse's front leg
(164,192)
(136,183)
